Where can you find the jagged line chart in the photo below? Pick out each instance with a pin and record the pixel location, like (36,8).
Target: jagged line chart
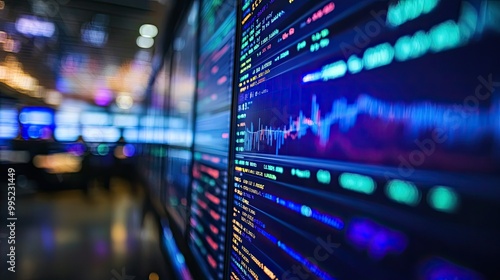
(457,121)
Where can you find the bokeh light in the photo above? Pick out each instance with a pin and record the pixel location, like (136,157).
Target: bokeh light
(103,97)
(148,30)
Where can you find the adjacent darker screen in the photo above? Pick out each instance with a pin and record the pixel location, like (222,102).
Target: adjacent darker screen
(180,122)
(153,130)
(183,80)
(211,138)
(366,140)
(177,180)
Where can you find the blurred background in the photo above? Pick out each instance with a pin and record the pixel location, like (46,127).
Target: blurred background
(80,52)
(73,79)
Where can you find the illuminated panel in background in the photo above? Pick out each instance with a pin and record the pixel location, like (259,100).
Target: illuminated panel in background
(366,143)
(67,118)
(33,26)
(95,118)
(36,122)
(177,180)
(123,120)
(67,126)
(8,122)
(67,134)
(131,135)
(100,134)
(211,138)
(129,125)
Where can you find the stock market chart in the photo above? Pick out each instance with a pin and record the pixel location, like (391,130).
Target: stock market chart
(211,138)
(366,140)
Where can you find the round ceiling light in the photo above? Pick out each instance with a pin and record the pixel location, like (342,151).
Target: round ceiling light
(124,102)
(144,42)
(148,30)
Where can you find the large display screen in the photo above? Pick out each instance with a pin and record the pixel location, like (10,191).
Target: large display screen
(180,123)
(366,140)
(211,138)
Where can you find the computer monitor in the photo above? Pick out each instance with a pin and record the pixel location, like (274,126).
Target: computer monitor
(211,137)
(365,141)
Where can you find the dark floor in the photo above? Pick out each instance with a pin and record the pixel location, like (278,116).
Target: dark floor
(69,235)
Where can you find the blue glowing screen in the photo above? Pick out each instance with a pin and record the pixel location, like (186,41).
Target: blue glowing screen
(366,139)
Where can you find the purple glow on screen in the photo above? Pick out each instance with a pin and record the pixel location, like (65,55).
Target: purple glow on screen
(376,239)
(438,268)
